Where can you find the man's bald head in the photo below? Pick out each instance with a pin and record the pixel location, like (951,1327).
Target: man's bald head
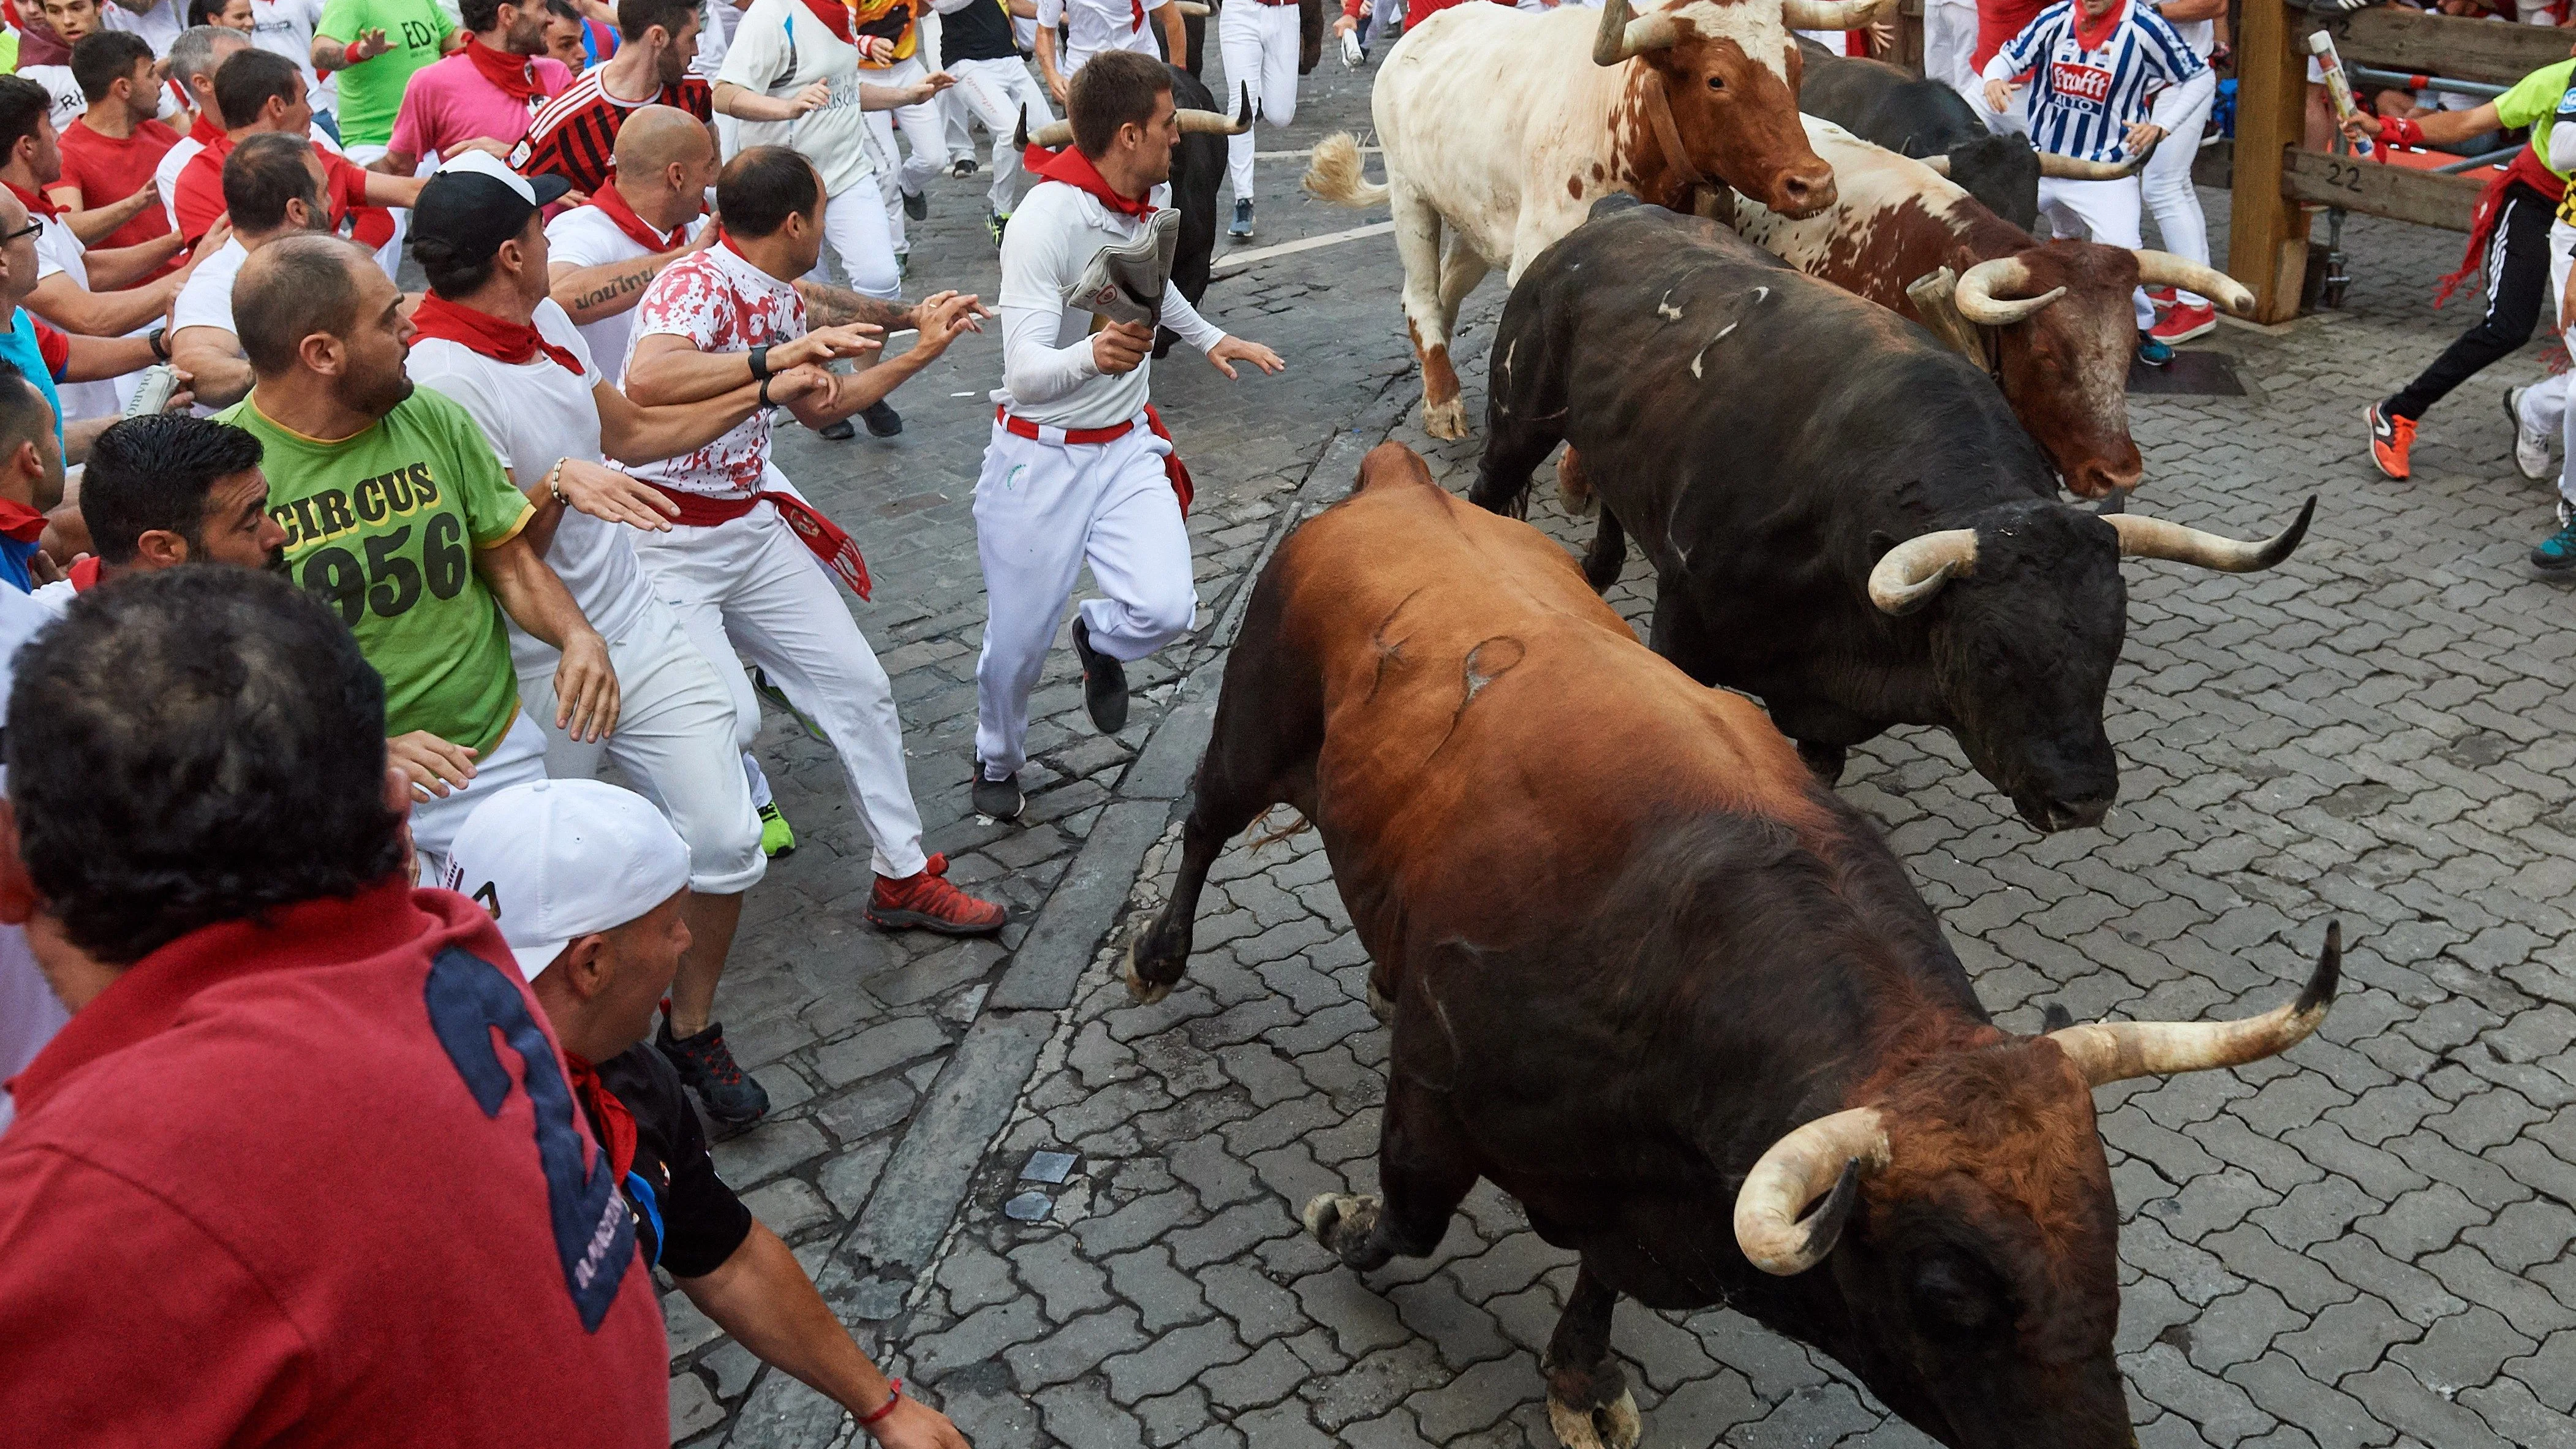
(657,136)
(290,289)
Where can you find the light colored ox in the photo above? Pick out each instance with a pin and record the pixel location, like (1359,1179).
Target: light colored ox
(1502,128)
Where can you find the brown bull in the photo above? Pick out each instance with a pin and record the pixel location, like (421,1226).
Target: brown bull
(1662,987)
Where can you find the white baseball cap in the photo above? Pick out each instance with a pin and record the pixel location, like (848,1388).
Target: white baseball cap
(557,859)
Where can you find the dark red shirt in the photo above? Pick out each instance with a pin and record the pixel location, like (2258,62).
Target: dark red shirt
(108,170)
(199,194)
(320,1182)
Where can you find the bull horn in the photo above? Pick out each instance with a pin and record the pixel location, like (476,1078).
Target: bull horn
(1825,1158)
(1621,36)
(1217,123)
(1053,136)
(1912,572)
(2070,168)
(1984,294)
(1937,165)
(2164,269)
(1829,14)
(2115,1051)
(2162,538)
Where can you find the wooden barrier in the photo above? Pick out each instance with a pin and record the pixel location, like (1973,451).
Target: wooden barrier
(2267,245)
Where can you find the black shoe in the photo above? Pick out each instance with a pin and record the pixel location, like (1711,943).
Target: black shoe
(1001,798)
(916,204)
(1104,682)
(840,432)
(963,167)
(1242,227)
(707,1067)
(882,420)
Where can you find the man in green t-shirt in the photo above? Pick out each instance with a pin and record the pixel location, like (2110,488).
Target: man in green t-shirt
(2509,245)
(397,513)
(374,46)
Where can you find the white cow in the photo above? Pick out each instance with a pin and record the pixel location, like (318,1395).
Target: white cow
(1501,128)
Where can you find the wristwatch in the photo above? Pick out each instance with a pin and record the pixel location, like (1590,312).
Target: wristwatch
(159,337)
(760,364)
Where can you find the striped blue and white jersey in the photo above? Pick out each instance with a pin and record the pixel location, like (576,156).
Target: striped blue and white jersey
(2082,101)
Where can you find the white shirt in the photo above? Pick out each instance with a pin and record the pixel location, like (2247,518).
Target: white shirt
(69,104)
(586,237)
(166,174)
(285,27)
(158,26)
(535,413)
(716,22)
(207,299)
(779,49)
(1092,26)
(1048,372)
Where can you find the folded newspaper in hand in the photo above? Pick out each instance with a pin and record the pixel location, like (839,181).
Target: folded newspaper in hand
(1124,283)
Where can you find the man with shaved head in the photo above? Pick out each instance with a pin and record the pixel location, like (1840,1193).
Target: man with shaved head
(604,253)
(399,516)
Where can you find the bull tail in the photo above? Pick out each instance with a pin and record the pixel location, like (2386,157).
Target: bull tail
(1333,174)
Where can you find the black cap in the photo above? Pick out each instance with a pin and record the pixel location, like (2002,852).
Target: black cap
(476,202)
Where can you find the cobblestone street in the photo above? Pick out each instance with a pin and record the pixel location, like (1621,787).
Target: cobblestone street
(2364,1243)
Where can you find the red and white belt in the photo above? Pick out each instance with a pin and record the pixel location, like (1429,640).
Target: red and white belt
(1173,468)
(824,538)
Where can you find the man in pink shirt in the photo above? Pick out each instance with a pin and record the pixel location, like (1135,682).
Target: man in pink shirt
(489,91)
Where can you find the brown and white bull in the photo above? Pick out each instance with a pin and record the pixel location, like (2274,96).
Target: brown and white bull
(2055,316)
(1501,129)
(1653,980)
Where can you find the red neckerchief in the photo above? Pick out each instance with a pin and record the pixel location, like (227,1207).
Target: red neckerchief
(37,203)
(1074,169)
(20,523)
(613,204)
(83,573)
(513,75)
(2090,33)
(609,1119)
(2528,170)
(205,132)
(836,15)
(486,335)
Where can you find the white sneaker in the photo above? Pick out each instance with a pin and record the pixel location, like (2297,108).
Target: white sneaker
(2530,450)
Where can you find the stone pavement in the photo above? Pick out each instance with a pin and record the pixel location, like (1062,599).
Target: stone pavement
(2362,1244)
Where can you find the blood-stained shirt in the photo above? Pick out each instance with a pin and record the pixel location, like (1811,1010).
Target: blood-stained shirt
(720,303)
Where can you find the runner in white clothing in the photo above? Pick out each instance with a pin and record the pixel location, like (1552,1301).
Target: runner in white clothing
(1079,469)
(272,188)
(1260,42)
(739,567)
(1096,26)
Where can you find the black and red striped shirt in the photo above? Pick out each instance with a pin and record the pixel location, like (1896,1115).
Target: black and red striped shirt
(575,136)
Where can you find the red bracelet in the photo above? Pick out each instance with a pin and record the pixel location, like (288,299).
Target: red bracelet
(894,1396)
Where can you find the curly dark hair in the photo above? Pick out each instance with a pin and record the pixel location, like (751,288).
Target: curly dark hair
(192,746)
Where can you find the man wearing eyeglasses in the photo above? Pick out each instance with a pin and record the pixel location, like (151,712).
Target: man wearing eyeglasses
(49,357)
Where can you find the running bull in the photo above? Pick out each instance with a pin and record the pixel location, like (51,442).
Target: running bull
(2054,318)
(1747,1009)
(1500,127)
(1843,515)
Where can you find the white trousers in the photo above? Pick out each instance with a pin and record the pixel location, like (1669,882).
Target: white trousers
(2165,182)
(390,255)
(676,738)
(750,587)
(519,758)
(2543,408)
(2103,211)
(855,228)
(1044,509)
(1949,39)
(922,128)
(1259,43)
(995,92)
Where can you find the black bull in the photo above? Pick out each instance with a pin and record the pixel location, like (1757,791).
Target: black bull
(1923,118)
(1768,438)
(1198,169)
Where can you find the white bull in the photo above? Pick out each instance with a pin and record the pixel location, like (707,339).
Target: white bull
(1502,128)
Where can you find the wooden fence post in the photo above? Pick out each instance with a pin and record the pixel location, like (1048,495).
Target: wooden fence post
(2267,241)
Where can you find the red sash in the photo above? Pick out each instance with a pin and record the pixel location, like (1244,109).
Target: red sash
(1173,468)
(488,336)
(2528,170)
(613,204)
(821,536)
(615,1124)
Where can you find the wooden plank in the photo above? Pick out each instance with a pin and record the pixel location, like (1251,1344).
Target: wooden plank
(2267,236)
(2426,198)
(2422,43)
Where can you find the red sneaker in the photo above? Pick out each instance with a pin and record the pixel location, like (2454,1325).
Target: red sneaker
(2391,438)
(927,902)
(2163,299)
(2184,323)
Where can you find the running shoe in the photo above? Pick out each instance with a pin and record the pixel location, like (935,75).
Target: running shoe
(2184,323)
(882,420)
(761,686)
(2391,439)
(706,1066)
(926,901)
(916,204)
(2530,449)
(996,223)
(1000,799)
(1242,227)
(2154,351)
(777,837)
(1104,682)
(2555,558)
(2163,299)
(962,168)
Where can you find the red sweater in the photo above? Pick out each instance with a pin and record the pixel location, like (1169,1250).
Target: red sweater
(278,1185)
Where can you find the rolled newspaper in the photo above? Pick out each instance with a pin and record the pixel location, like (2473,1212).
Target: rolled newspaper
(2338,86)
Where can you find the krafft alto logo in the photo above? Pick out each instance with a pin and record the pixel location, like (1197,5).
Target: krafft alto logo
(2080,82)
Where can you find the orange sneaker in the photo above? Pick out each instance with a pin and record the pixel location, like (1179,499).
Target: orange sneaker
(926,901)
(2391,438)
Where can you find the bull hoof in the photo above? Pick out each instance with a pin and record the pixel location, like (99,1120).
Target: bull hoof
(1614,1425)
(1446,421)
(1142,991)
(1340,1221)
(1379,1006)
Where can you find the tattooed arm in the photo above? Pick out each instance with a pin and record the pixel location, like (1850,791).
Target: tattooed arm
(830,306)
(588,294)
